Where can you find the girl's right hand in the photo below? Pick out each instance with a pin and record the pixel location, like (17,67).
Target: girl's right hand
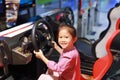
(39,54)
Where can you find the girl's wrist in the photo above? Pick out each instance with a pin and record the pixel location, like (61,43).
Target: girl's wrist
(44,59)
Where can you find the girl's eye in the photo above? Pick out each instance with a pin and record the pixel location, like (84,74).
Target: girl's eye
(63,37)
(60,37)
(66,37)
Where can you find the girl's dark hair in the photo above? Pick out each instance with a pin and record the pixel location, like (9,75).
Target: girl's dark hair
(70,29)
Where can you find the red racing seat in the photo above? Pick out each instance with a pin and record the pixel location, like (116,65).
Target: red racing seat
(103,47)
(103,64)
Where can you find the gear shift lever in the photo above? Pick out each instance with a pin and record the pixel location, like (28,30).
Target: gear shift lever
(25,45)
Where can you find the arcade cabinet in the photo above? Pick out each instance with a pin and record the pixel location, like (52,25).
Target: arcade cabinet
(13,62)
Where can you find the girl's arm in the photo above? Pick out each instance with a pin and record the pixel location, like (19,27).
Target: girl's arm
(41,56)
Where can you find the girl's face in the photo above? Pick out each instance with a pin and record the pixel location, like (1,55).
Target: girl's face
(65,39)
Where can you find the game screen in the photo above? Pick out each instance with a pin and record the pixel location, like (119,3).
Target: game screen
(26,3)
(9,12)
(12,7)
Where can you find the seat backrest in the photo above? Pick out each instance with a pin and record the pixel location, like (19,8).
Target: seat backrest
(103,64)
(114,19)
(103,48)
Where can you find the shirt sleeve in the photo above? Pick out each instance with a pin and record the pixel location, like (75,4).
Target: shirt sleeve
(66,62)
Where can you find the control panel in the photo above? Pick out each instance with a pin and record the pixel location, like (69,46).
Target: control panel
(16,45)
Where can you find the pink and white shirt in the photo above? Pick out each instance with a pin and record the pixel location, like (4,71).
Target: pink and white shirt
(68,66)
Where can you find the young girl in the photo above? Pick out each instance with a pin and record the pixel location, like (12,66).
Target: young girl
(68,66)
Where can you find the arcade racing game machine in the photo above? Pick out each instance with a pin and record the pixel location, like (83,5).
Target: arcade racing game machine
(12,57)
(18,42)
(18,38)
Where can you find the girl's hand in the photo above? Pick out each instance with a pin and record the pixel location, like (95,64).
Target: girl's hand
(54,44)
(39,54)
(57,47)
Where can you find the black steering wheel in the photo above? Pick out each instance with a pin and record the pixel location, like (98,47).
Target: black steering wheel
(42,36)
